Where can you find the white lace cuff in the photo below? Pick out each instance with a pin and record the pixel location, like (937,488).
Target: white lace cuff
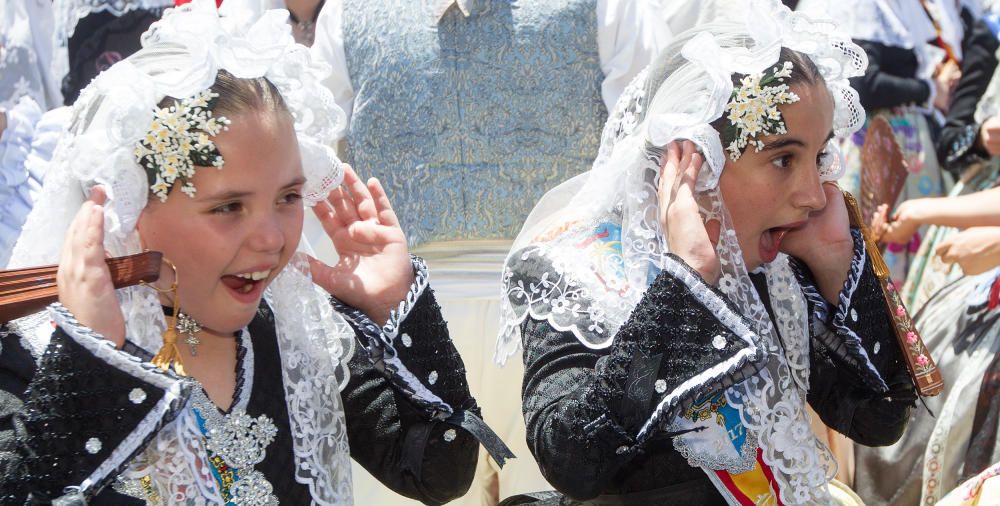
(398,315)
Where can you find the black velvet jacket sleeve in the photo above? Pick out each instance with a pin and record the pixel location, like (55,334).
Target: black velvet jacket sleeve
(69,426)
(889,80)
(412,421)
(390,435)
(957,146)
(858,381)
(586,408)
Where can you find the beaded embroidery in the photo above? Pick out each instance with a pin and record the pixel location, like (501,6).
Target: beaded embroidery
(236,442)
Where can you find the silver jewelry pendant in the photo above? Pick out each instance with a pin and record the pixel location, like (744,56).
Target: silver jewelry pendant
(241,441)
(187,325)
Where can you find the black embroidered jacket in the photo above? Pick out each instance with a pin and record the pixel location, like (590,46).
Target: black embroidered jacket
(78,408)
(583,408)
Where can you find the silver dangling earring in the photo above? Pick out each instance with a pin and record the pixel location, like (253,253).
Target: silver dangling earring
(188,325)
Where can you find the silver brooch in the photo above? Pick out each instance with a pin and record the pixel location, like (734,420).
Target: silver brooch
(241,441)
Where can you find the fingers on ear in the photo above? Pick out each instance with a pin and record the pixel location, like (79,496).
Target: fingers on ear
(672,155)
(98,194)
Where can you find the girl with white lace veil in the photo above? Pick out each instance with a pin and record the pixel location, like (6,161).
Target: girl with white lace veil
(233,379)
(680,303)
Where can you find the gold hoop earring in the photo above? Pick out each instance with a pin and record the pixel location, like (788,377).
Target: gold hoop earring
(169,355)
(173,286)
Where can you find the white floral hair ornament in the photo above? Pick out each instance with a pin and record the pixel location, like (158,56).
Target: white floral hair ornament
(179,138)
(753,110)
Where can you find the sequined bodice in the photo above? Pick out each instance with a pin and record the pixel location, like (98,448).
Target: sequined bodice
(468,122)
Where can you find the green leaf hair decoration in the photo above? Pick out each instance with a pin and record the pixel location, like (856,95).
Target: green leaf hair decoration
(753,109)
(179,138)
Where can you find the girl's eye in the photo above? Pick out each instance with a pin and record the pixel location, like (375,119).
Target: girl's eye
(227,208)
(290,198)
(782,162)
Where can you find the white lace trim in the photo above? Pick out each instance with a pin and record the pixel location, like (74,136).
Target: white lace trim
(559,298)
(399,314)
(175,391)
(69,12)
(25,55)
(316,345)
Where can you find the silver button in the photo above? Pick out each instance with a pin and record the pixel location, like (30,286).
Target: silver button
(407,340)
(93,445)
(450,435)
(719,342)
(621,450)
(137,395)
(878,347)
(854,315)
(661,386)
(432,377)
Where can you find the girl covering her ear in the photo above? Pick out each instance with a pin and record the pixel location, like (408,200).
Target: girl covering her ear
(681,303)
(235,379)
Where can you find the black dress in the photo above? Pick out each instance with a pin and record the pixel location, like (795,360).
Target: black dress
(583,407)
(957,147)
(889,79)
(52,411)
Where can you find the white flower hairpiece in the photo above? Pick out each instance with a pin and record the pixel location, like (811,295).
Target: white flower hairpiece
(753,108)
(178,139)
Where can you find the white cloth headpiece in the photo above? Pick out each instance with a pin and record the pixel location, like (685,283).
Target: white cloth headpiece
(678,97)
(181,55)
